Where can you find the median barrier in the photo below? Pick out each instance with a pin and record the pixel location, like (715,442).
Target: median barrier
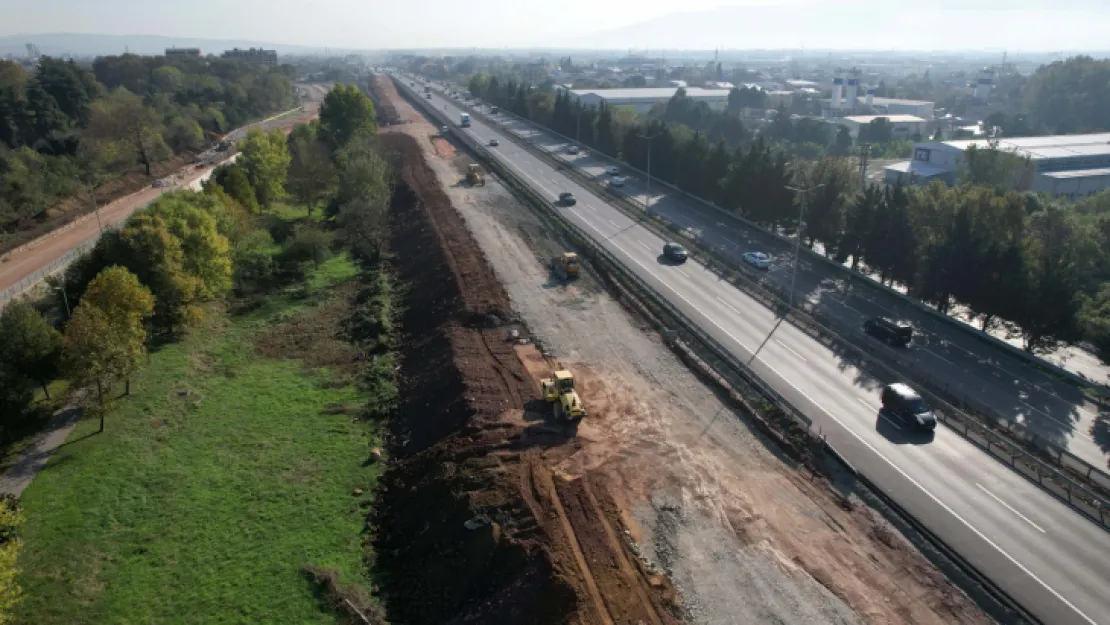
(1052,480)
(850,273)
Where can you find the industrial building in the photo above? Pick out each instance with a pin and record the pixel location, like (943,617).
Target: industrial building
(253,55)
(1069,166)
(644,99)
(847,99)
(183,52)
(901,126)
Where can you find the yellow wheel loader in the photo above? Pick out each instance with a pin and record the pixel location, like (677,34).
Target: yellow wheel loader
(474,176)
(565,266)
(558,390)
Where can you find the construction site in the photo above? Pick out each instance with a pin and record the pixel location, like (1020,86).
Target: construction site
(555,461)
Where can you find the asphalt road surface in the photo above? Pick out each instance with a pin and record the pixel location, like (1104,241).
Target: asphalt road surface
(986,376)
(1038,550)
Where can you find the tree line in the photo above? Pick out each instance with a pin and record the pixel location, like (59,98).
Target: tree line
(67,127)
(999,255)
(149,280)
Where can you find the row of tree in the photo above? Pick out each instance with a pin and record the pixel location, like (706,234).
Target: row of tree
(66,128)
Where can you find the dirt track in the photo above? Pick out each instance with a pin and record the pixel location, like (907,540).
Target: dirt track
(746,535)
(473,523)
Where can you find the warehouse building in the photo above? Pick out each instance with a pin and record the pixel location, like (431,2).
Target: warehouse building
(1069,166)
(643,99)
(253,55)
(901,126)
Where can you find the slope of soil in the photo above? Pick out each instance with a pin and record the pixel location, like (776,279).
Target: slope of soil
(746,534)
(473,525)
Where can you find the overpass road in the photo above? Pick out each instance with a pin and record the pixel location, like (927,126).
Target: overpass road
(1047,557)
(988,378)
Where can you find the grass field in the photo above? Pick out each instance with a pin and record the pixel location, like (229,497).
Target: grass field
(214,483)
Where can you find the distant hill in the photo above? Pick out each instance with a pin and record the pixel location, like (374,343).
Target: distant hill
(79,45)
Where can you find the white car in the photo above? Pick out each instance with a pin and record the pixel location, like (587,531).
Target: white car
(759,260)
(494,142)
(613,171)
(572,149)
(617,182)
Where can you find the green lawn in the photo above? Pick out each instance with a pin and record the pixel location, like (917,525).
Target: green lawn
(214,483)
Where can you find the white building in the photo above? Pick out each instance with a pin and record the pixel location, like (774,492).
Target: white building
(644,99)
(901,126)
(1065,165)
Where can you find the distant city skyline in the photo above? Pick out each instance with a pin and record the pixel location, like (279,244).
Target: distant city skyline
(957,25)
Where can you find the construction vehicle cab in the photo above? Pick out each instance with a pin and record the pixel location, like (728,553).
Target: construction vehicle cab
(474,175)
(566,266)
(559,391)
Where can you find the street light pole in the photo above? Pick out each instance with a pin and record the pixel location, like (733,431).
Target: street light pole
(798,235)
(647,197)
(65,298)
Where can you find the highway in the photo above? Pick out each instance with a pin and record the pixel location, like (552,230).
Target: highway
(1051,560)
(988,378)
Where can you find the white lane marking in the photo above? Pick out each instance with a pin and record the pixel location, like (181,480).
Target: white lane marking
(613,222)
(729,306)
(641,243)
(869,406)
(1010,508)
(787,348)
(936,500)
(936,355)
(682,273)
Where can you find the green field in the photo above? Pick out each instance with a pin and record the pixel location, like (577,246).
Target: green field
(222,475)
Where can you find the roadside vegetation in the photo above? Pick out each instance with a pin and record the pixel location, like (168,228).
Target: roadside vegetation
(66,129)
(987,249)
(232,351)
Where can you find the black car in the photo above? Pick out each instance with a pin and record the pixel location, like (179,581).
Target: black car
(903,402)
(892,331)
(567,199)
(674,252)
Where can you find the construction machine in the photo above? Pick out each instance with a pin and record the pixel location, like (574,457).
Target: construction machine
(565,266)
(558,390)
(474,176)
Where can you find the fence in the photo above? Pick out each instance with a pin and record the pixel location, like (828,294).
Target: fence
(952,408)
(17,289)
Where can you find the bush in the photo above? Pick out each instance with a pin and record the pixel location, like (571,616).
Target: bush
(10,593)
(309,244)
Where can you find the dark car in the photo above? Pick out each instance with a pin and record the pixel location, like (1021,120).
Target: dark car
(892,331)
(903,402)
(567,199)
(674,252)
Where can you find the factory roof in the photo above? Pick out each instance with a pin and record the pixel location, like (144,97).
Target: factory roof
(651,93)
(1078,173)
(888,101)
(894,119)
(915,168)
(1039,148)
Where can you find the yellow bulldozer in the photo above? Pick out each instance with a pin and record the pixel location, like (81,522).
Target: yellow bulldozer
(565,266)
(474,176)
(558,390)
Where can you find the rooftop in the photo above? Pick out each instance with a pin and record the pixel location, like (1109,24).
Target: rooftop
(885,101)
(915,168)
(894,119)
(1037,148)
(651,93)
(1078,173)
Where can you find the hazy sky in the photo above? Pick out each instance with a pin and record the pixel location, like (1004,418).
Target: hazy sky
(1045,25)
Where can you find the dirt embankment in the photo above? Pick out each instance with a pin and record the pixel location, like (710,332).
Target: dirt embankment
(472,524)
(384,95)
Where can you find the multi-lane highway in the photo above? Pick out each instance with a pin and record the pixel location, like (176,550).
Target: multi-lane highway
(994,381)
(1039,551)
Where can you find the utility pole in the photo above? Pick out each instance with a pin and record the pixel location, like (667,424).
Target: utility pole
(647,197)
(864,154)
(798,234)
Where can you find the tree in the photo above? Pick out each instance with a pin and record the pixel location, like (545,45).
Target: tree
(105,340)
(28,344)
(205,251)
(122,120)
(997,168)
(311,172)
(184,133)
(345,112)
(233,180)
(362,198)
(265,160)
(309,243)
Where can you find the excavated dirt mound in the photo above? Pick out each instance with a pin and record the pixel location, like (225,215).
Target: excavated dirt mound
(381,87)
(472,525)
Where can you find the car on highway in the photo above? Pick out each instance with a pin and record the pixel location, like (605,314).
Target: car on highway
(759,260)
(613,170)
(572,149)
(566,198)
(493,110)
(891,331)
(428,96)
(617,182)
(675,252)
(901,401)
(494,142)
(443,130)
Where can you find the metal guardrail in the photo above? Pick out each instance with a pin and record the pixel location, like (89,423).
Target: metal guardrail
(1052,480)
(59,264)
(856,276)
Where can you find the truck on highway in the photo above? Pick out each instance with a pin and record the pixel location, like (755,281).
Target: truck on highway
(427,89)
(464,120)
